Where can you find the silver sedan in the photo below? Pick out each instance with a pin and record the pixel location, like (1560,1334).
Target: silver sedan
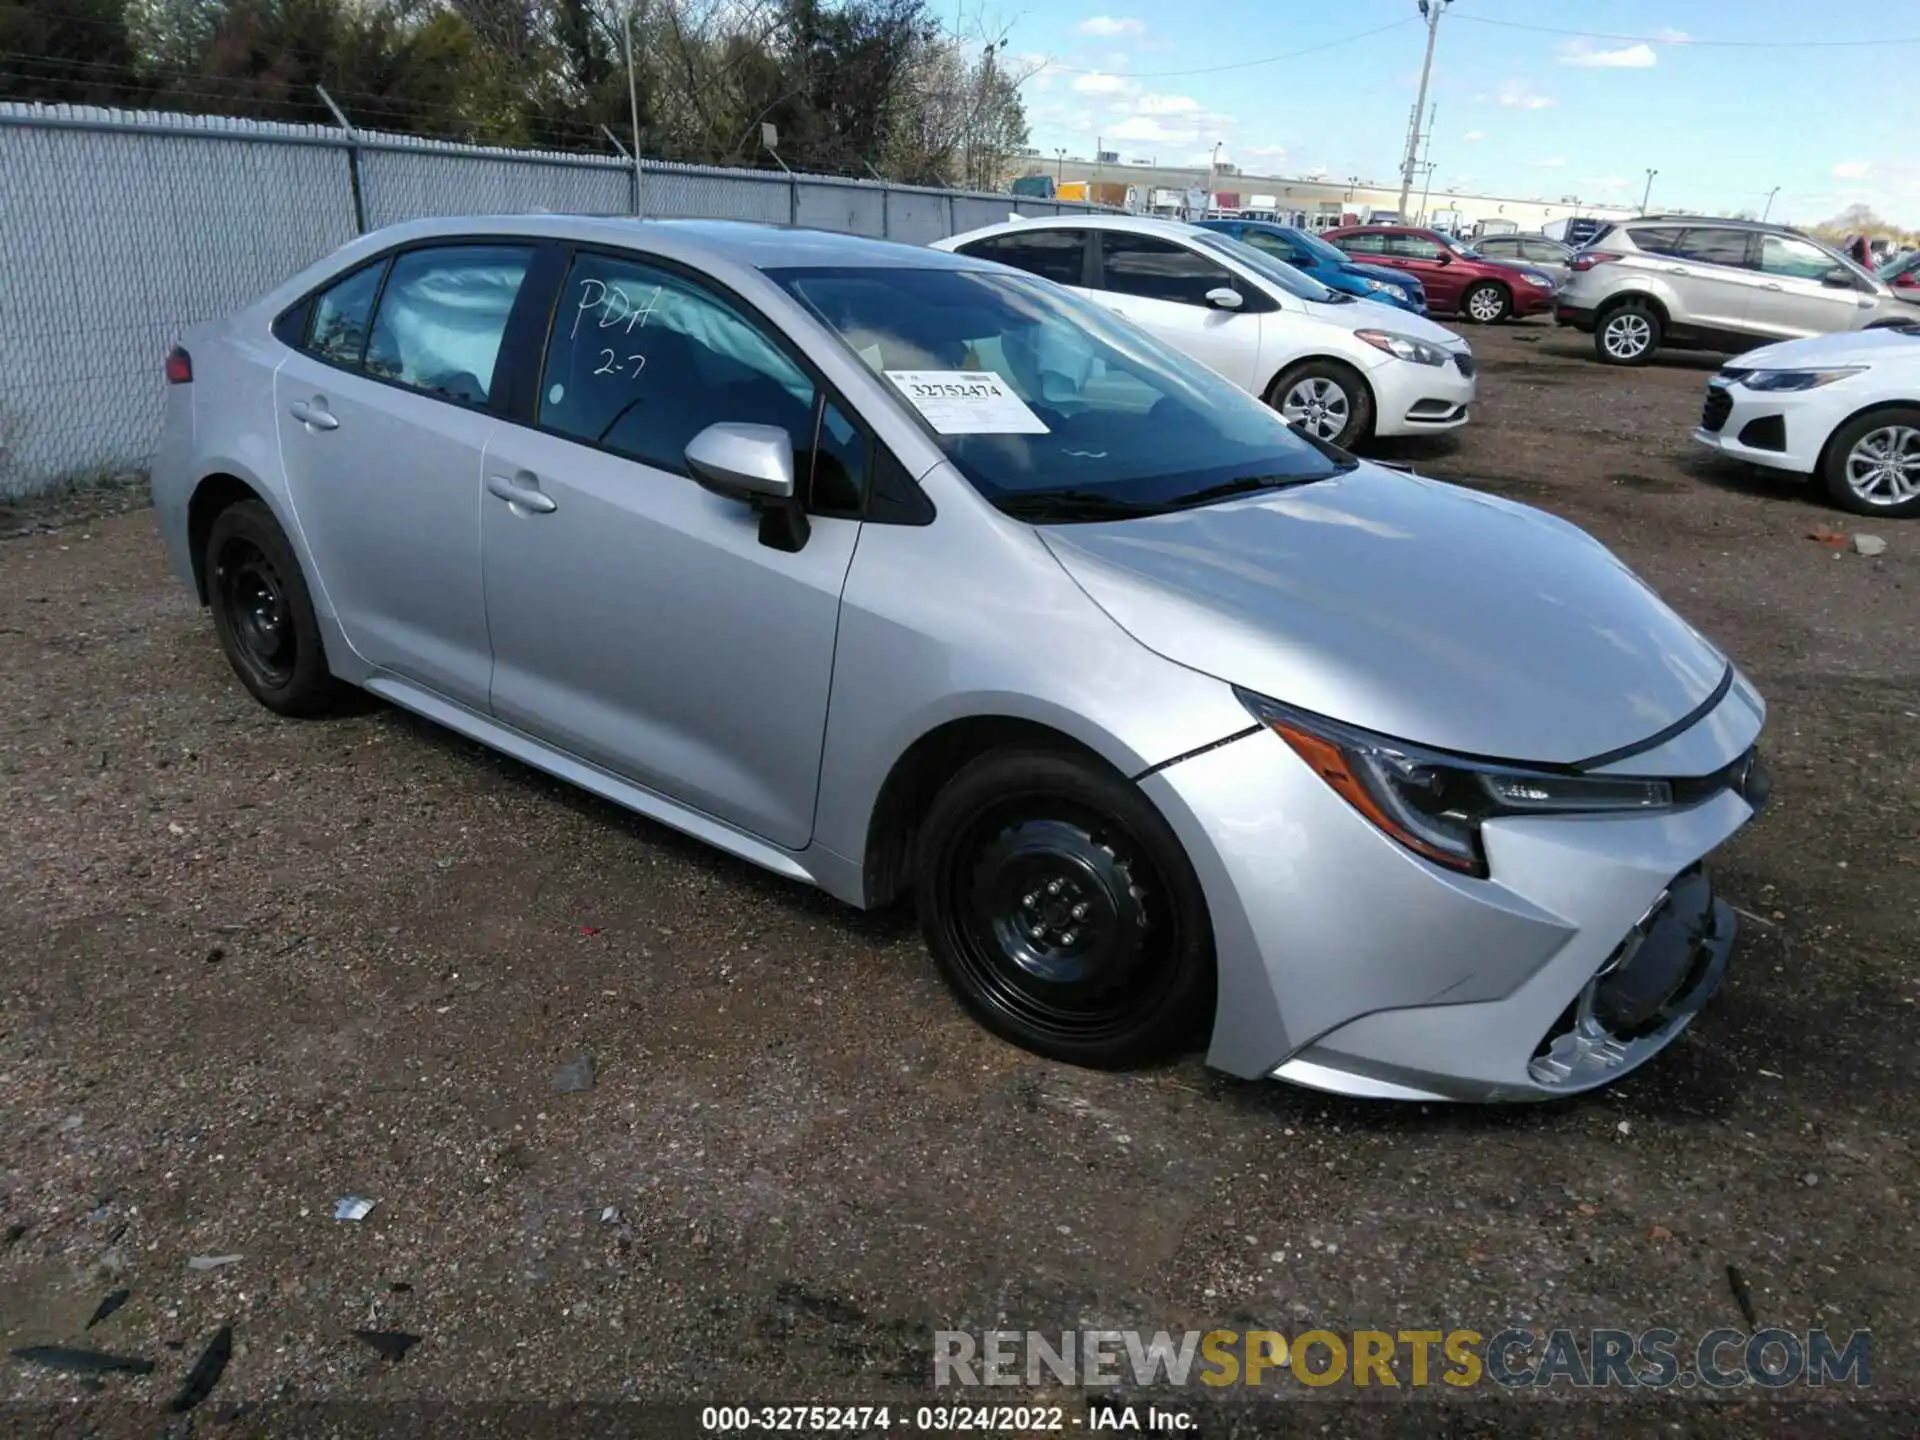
(896,571)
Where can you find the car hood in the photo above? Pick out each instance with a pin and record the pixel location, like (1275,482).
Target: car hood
(1418,610)
(1378,315)
(1849,347)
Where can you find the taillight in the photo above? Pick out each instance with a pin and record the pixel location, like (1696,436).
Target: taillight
(179,367)
(1587,259)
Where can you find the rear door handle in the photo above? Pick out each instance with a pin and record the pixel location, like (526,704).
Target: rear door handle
(1771,286)
(522,491)
(315,413)
(1678,270)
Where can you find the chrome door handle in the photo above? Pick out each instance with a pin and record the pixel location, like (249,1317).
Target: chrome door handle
(520,492)
(318,416)
(1678,270)
(1771,286)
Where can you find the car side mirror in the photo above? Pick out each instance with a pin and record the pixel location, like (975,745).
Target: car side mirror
(753,463)
(1445,257)
(1222,297)
(1838,279)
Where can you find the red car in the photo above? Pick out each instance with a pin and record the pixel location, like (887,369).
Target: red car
(1456,279)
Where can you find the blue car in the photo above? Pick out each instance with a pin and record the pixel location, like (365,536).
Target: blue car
(1326,264)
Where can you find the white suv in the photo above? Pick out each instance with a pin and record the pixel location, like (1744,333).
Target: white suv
(1690,282)
(1339,369)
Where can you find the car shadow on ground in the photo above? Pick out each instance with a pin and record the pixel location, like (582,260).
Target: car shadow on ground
(1737,477)
(1412,450)
(1580,347)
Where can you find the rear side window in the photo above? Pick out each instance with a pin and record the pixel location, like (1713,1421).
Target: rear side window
(1055,255)
(1712,245)
(342,316)
(441,318)
(1156,269)
(1657,239)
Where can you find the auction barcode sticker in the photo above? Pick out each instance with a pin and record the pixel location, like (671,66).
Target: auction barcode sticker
(967,402)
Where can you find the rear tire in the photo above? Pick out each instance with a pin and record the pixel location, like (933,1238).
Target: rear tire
(1324,399)
(1487,303)
(263,613)
(1628,334)
(1872,464)
(1062,911)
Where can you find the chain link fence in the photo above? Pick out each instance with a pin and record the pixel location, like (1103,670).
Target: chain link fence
(119,230)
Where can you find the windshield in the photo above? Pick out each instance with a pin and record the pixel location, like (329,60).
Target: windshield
(1051,408)
(1271,268)
(1467,251)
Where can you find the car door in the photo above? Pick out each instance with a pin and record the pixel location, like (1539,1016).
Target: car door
(384,412)
(639,621)
(1162,286)
(1793,298)
(1429,262)
(1708,271)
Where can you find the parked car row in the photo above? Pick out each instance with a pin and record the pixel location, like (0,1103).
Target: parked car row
(895,571)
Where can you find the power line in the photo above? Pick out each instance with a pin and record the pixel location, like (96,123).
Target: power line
(1236,65)
(1688,40)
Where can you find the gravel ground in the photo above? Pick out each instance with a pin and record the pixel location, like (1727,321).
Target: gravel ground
(250,966)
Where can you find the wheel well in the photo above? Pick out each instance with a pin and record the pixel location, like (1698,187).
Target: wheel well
(1613,303)
(918,775)
(212,495)
(1826,447)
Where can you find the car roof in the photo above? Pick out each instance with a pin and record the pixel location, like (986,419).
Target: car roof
(1136,224)
(741,242)
(1716,222)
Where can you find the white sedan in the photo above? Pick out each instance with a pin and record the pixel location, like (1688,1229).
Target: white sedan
(1339,369)
(1844,408)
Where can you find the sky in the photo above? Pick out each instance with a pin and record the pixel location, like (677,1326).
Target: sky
(1520,112)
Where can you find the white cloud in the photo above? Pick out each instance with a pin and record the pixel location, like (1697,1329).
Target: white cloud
(1672,37)
(1108,25)
(1267,152)
(1641,56)
(1167,105)
(1519,95)
(1102,83)
(1605,182)
(1473,135)
(1851,170)
(1552,162)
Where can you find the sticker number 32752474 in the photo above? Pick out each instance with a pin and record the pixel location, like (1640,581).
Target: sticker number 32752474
(967,402)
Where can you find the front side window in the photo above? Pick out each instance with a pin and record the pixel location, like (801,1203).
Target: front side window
(1784,255)
(642,359)
(1100,420)
(1156,269)
(1056,255)
(1499,247)
(1711,245)
(1370,243)
(342,316)
(441,318)
(1277,246)
(1414,247)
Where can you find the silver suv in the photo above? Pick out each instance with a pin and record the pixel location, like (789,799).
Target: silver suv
(1693,283)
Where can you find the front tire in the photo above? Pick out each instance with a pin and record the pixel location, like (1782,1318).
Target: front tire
(1486,303)
(1062,911)
(1326,400)
(1872,464)
(263,613)
(1627,335)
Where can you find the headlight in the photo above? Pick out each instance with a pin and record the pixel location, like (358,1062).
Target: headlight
(1433,803)
(1387,288)
(1776,380)
(1533,279)
(1403,347)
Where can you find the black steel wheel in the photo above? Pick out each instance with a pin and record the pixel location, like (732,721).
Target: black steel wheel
(1062,910)
(263,614)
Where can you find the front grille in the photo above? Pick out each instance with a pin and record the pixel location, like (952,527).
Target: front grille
(1718,407)
(1464,362)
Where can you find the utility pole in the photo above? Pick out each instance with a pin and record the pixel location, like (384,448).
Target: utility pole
(1426,165)
(633,113)
(1431,9)
(1769,210)
(1647,193)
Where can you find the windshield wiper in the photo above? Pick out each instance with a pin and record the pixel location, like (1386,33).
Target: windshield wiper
(1244,485)
(1071,505)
